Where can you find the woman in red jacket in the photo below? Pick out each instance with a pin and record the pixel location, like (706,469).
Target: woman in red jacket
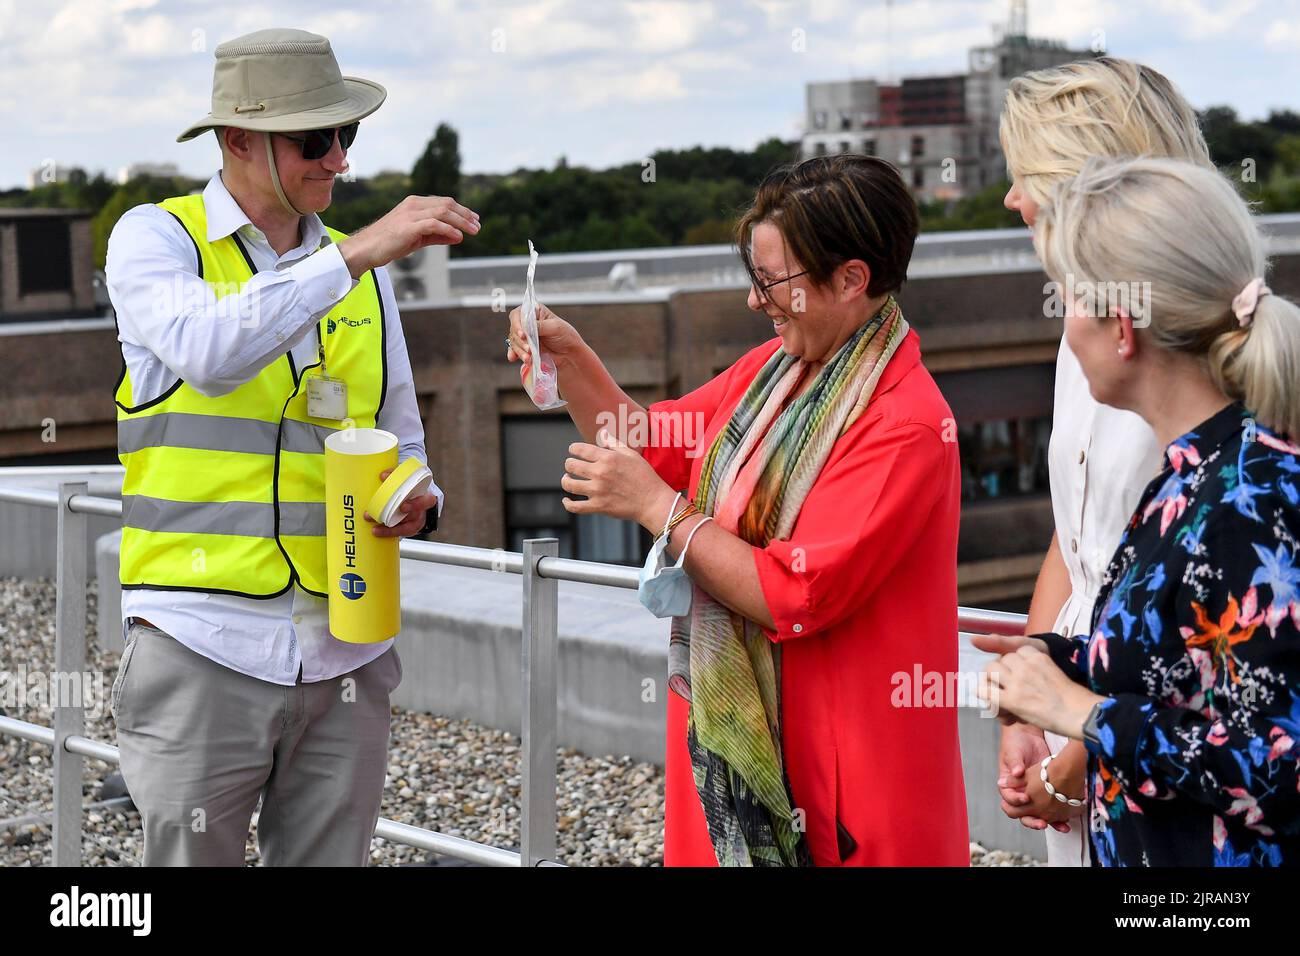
(821,536)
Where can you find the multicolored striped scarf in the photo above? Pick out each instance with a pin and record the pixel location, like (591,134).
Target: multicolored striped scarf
(753,482)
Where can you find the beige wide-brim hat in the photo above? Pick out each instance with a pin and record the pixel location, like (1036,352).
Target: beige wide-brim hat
(283,81)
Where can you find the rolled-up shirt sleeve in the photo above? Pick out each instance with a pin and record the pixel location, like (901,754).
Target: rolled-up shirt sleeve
(862,514)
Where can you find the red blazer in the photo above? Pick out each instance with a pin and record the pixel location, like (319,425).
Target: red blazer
(864,596)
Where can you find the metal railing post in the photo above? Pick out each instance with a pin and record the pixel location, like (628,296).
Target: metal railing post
(538,713)
(67,690)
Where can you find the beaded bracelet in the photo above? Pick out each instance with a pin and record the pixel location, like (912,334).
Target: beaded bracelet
(1051,791)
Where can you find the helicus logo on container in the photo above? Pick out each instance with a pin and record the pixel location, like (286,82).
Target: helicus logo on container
(351,585)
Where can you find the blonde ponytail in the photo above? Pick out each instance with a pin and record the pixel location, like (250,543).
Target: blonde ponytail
(1183,234)
(1260,364)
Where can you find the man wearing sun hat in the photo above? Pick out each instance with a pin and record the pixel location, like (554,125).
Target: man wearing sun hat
(249,332)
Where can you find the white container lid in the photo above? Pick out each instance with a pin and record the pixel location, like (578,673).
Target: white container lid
(410,477)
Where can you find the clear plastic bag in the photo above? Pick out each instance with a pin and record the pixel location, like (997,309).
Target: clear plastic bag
(540,378)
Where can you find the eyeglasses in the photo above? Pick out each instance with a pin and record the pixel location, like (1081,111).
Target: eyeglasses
(316,143)
(766,286)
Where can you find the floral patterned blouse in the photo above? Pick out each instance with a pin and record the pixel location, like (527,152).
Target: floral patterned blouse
(1196,644)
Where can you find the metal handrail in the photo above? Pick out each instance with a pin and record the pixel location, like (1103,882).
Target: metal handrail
(541,570)
(969,619)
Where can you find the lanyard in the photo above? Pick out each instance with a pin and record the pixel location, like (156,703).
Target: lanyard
(320,346)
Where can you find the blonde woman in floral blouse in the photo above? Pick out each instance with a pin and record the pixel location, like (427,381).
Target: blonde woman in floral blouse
(1186,688)
(1100,458)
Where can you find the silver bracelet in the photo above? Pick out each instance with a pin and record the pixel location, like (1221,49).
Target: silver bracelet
(1051,791)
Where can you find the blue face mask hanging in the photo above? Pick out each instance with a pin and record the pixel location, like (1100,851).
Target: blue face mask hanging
(665,591)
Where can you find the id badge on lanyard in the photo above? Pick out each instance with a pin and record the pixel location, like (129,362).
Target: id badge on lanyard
(326,397)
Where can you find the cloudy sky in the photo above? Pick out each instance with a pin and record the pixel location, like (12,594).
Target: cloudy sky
(102,83)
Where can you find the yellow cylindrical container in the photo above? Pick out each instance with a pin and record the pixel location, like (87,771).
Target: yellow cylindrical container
(364,583)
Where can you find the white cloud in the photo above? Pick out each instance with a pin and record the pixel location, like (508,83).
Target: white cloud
(124,6)
(661,27)
(652,84)
(1283,35)
(102,83)
(712,61)
(1202,20)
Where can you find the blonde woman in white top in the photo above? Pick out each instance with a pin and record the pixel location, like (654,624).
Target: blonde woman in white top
(1099,458)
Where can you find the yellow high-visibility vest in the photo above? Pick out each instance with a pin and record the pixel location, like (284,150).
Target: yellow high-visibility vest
(227,494)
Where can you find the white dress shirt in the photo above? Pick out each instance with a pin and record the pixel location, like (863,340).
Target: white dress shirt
(1099,460)
(170,324)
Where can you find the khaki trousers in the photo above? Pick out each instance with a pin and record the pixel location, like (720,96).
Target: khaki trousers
(200,743)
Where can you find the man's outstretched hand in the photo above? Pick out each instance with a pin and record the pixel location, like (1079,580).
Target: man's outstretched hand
(415,222)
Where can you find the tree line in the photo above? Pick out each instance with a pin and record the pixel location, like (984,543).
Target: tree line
(670,198)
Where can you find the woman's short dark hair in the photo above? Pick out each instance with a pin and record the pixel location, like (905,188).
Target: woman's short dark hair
(830,209)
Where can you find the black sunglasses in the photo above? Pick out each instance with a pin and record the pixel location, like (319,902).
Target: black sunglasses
(316,143)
